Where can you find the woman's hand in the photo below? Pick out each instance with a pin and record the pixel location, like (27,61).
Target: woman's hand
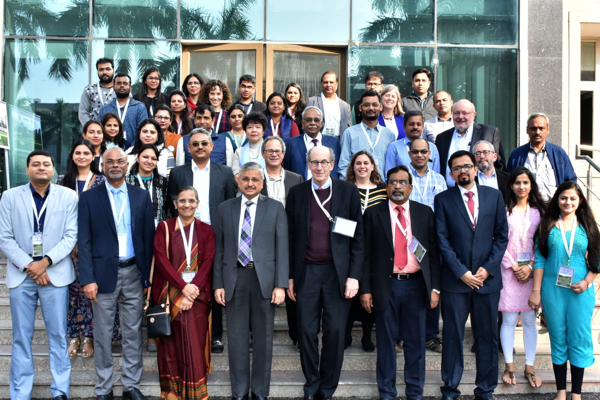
(190,291)
(186,304)
(535,299)
(580,286)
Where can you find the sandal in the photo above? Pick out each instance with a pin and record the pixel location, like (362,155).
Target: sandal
(509,377)
(88,347)
(534,380)
(73,347)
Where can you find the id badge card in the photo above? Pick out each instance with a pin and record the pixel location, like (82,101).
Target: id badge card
(188,276)
(523,259)
(417,248)
(343,226)
(330,131)
(155,223)
(122,245)
(38,248)
(565,277)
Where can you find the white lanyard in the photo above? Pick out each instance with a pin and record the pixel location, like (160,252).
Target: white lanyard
(102,100)
(366,201)
(219,121)
(250,108)
(423,192)
(122,116)
(35,211)
(114,210)
(150,191)
(85,185)
(235,139)
(397,221)
(369,139)
(179,125)
(187,242)
(274,128)
(564,236)
(326,200)
(151,110)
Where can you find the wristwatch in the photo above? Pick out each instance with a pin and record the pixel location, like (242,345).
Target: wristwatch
(49,259)
(435,291)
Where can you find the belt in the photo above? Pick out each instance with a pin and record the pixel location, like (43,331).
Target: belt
(250,265)
(126,263)
(406,277)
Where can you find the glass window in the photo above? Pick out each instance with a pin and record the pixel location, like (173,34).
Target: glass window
(394,62)
(586,132)
(51,18)
(135,19)
(588,61)
(133,58)
(488,78)
(309,21)
(478,22)
(376,21)
(303,68)
(43,118)
(220,20)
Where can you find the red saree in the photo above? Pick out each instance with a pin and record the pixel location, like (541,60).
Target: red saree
(184,357)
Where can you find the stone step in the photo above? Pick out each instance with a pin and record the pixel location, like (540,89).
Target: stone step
(289,385)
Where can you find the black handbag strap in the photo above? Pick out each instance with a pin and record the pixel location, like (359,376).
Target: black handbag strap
(152,272)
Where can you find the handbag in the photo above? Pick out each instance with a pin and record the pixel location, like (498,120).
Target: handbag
(158,317)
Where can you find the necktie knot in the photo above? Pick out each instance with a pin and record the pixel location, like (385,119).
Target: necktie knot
(315,142)
(469,195)
(249,203)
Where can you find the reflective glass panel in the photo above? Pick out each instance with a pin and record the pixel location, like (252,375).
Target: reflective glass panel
(588,61)
(43,82)
(586,132)
(308,21)
(135,19)
(478,22)
(51,18)
(133,58)
(488,78)
(303,68)
(223,19)
(376,21)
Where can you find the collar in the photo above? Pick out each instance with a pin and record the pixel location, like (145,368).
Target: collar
(468,133)
(308,139)
(245,199)
(438,119)
(279,178)
(122,188)
(463,190)
(325,98)
(325,186)
(413,93)
(543,149)
(34,193)
(414,171)
(239,101)
(377,127)
(481,175)
(405,206)
(195,167)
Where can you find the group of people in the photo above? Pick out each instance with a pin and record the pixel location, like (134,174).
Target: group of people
(213,205)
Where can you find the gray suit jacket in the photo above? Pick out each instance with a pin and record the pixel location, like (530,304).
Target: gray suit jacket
(345,112)
(269,245)
(58,239)
(291,179)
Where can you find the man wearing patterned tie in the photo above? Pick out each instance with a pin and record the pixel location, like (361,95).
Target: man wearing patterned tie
(250,275)
(472,234)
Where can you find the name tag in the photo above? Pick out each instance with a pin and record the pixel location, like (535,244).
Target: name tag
(330,131)
(343,226)
(122,245)
(417,248)
(565,277)
(38,248)
(523,259)
(188,276)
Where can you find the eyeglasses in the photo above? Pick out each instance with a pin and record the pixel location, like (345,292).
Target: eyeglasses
(466,167)
(273,151)
(395,182)
(316,120)
(153,78)
(120,163)
(422,151)
(247,179)
(367,105)
(121,83)
(247,87)
(462,113)
(484,152)
(198,144)
(322,163)
(162,117)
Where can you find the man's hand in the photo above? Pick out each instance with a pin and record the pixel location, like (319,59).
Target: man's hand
(43,280)
(482,274)
(351,288)
(91,290)
(220,296)
(366,300)
(471,281)
(190,291)
(186,304)
(435,299)
(290,290)
(37,268)
(278,296)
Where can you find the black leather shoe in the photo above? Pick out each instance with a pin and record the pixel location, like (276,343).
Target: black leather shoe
(446,398)
(61,397)
(217,346)
(109,396)
(257,397)
(310,397)
(240,398)
(328,397)
(134,394)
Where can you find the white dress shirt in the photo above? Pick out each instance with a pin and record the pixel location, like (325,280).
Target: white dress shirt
(202,185)
(252,211)
(458,142)
(333,115)
(492,181)
(309,145)
(475,200)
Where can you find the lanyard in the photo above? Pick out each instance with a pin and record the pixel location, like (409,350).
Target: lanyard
(568,249)
(187,241)
(85,185)
(369,139)
(235,139)
(122,116)
(151,110)
(397,222)
(102,99)
(274,128)
(219,122)
(179,125)
(114,210)
(250,107)
(423,192)
(366,204)
(150,191)
(326,200)
(35,211)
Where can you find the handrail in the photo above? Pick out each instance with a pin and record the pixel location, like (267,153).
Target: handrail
(591,163)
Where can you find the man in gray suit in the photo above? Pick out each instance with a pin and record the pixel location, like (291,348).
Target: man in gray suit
(336,111)
(250,275)
(38,231)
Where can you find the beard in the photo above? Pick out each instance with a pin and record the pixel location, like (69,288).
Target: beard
(122,95)
(105,78)
(398,196)
(464,181)
(370,117)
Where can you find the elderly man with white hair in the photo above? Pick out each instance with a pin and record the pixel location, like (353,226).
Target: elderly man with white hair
(487,173)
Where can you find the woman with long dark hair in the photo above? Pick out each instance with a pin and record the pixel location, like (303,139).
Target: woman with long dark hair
(113,131)
(182,123)
(236,136)
(525,208)
(279,121)
(164,116)
(150,132)
(150,92)
(191,88)
(566,264)
(93,132)
(296,102)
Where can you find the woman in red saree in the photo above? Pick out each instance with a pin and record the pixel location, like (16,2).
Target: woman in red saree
(184,270)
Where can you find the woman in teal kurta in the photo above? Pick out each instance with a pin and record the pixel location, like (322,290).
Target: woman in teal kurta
(568,308)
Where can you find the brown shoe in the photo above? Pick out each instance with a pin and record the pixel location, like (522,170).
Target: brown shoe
(434,344)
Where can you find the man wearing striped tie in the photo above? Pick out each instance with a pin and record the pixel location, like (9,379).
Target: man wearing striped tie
(250,275)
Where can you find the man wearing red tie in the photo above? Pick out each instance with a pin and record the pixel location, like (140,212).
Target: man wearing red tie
(472,235)
(401,279)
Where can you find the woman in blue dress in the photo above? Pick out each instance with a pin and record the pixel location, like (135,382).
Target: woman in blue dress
(566,264)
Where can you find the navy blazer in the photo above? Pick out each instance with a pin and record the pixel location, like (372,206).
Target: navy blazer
(464,248)
(295,154)
(98,245)
(563,169)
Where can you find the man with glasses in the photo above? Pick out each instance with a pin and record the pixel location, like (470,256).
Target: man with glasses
(464,135)
(326,245)
(426,182)
(472,236)
(130,111)
(247,88)
(398,152)
(204,118)
(96,95)
(116,234)
(335,110)
(373,81)
(487,174)
(312,126)
(368,135)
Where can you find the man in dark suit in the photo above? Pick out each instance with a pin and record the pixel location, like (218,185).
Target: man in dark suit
(400,282)
(464,135)
(295,155)
(116,232)
(487,173)
(472,234)
(204,174)
(250,274)
(326,257)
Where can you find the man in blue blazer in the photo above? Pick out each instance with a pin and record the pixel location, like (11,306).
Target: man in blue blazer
(472,236)
(116,233)
(38,231)
(297,147)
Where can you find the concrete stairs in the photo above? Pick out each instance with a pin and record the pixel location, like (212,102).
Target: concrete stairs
(358,375)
